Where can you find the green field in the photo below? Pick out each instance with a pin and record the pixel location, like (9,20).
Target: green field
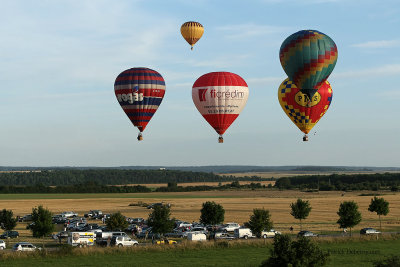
(351,253)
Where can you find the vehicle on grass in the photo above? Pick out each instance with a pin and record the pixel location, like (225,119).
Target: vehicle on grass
(9,234)
(137,221)
(24,246)
(69,214)
(306,234)
(269,234)
(94,214)
(243,233)
(165,241)
(369,231)
(2,245)
(196,237)
(104,238)
(148,234)
(25,218)
(221,235)
(60,235)
(230,227)
(81,239)
(123,241)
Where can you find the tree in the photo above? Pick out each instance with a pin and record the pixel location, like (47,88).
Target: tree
(117,221)
(212,213)
(42,222)
(302,252)
(260,220)
(380,206)
(7,221)
(349,216)
(159,220)
(300,210)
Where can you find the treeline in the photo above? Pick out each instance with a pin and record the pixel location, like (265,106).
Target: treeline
(78,188)
(173,187)
(112,177)
(92,187)
(342,182)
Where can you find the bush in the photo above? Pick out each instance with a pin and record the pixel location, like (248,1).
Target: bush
(300,253)
(117,221)
(392,261)
(43,224)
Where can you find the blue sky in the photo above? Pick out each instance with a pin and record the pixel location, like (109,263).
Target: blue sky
(59,60)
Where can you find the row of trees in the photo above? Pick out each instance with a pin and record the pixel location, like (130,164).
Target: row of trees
(342,182)
(349,216)
(110,177)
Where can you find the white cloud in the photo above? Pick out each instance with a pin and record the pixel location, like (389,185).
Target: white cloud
(239,31)
(378,44)
(385,70)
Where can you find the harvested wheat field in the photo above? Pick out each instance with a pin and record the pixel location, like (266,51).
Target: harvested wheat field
(238,206)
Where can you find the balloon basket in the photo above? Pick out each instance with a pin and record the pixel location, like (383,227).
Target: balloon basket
(220,139)
(305,138)
(140,137)
(191,48)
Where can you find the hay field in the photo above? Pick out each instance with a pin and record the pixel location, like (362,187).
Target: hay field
(238,206)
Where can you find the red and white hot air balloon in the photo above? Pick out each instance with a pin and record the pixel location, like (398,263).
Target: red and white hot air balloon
(220,97)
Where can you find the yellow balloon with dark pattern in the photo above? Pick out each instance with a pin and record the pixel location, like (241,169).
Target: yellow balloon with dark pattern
(303,111)
(192,32)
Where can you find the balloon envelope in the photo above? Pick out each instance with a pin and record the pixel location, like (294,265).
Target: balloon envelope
(192,32)
(308,58)
(139,91)
(304,113)
(220,97)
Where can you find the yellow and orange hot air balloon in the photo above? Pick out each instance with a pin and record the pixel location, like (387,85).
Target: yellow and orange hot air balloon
(192,32)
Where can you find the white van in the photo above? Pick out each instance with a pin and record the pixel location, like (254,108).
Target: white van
(81,239)
(243,233)
(196,237)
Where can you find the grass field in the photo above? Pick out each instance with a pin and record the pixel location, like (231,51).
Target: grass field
(238,205)
(355,252)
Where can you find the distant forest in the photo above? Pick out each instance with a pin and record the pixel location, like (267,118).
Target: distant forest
(112,177)
(342,182)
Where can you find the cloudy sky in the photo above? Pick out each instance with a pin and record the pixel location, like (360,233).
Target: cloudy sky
(59,60)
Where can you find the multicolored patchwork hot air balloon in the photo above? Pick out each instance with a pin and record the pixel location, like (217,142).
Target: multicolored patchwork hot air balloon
(192,32)
(304,113)
(220,97)
(139,92)
(308,58)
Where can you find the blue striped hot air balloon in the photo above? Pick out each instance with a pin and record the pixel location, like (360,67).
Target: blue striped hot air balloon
(139,91)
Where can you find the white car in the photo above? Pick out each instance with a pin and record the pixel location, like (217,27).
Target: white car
(230,227)
(2,245)
(124,241)
(369,231)
(269,234)
(24,246)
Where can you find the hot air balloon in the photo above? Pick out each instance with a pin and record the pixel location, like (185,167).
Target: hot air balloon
(192,32)
(139,91)
(220,97)
(308,58)
(304,113)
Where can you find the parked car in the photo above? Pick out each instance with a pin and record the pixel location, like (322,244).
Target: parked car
(94,214)
(165,242)
(230,227)
(9,234)
(2,245)
(269,234)
(369,231)
(221,235)
(69,214)
(123,241)
(24,246)
(306,234)
(60,235)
